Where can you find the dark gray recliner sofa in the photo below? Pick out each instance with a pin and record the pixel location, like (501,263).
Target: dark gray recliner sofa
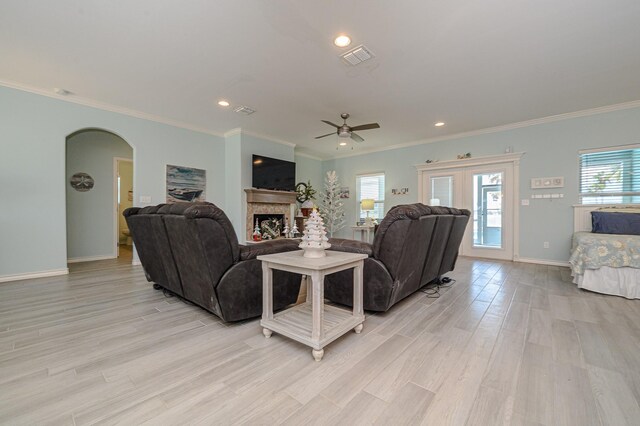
(191,249)
(414,245)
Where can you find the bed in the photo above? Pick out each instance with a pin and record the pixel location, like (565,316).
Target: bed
(604,262)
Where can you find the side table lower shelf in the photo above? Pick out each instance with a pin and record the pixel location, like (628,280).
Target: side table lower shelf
(296,323)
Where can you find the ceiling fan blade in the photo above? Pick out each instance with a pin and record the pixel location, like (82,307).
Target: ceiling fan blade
(330,123)
(324,136)
(356,138)
(366,126)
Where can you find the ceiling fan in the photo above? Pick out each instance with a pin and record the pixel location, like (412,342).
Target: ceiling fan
(346,131)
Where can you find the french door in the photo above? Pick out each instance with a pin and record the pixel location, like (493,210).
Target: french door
(485,190)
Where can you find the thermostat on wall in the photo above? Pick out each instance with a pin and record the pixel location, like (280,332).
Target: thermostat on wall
(547,182)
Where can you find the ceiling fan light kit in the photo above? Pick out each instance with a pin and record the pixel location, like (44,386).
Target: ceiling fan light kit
(345,131)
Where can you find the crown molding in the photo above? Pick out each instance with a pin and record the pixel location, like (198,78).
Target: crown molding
(241,131)
(313,157)
(511,126)
(106,107)
(269,138)
(182,125)
(233,132)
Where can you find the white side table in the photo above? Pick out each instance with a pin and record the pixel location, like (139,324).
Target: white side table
(362,229)
(312,323)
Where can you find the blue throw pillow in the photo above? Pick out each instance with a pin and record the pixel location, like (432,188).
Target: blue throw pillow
(615,223)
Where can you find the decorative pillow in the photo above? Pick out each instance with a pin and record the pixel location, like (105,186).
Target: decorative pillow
(615,223)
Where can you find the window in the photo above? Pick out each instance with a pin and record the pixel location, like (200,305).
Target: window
(371,187)
(610,176)
(441,191)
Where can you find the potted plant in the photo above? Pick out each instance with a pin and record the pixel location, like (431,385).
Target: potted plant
(306,195)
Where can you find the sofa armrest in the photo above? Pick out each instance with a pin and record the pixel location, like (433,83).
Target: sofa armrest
(351,246)
(251,251)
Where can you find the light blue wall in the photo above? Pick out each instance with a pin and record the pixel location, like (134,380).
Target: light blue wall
(239,149)
(233,176)
(91,215)
(309,169)
(33,130)
(254,145)
(551,150)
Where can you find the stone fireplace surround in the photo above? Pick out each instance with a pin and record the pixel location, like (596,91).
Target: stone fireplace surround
(265,201)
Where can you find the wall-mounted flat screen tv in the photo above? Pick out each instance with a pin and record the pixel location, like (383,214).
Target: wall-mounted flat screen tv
(270,173)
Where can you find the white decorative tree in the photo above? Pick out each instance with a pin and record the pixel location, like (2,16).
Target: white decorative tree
(314,240)
(331,207)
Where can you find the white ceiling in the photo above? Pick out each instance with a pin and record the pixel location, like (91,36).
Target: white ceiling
(472,64)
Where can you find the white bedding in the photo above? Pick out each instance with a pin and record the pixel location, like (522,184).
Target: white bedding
(623,282)
(604,263)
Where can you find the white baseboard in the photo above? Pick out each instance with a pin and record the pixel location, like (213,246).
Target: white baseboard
(136,262)
(30,275)
(543,261)
(90,258)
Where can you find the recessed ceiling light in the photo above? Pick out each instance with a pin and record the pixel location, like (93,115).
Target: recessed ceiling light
(223,103)
(342,41)
(439,124)
(343,144)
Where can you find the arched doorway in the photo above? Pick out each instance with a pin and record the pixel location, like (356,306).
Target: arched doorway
(99,186)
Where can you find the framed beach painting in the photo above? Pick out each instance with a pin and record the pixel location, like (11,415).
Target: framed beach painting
(185,184)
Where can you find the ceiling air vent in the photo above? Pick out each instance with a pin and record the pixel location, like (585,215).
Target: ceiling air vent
(357,55)
(244,110)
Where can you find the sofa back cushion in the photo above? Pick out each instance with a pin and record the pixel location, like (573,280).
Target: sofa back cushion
(150,237)
(399,244)
(461,218)
(204,246)
(437,245)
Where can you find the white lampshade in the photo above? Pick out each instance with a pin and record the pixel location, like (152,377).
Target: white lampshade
(367,204)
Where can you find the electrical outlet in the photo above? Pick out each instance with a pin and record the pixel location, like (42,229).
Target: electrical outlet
(525,202)
(546,244)
(145,198)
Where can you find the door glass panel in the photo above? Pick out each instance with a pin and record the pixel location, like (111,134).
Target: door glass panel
(488,205)
(441,191)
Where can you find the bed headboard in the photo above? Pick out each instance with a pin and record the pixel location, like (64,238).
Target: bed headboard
(582,214)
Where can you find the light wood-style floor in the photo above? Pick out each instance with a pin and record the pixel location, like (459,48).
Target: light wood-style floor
(505,344)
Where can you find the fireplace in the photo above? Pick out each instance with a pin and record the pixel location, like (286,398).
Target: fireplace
(268,204)
(271,225)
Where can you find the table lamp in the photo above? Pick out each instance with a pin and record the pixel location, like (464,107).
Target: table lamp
(367,205)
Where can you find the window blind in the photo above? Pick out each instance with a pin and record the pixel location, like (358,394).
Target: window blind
(371,187)
(610,176)
(442,189)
